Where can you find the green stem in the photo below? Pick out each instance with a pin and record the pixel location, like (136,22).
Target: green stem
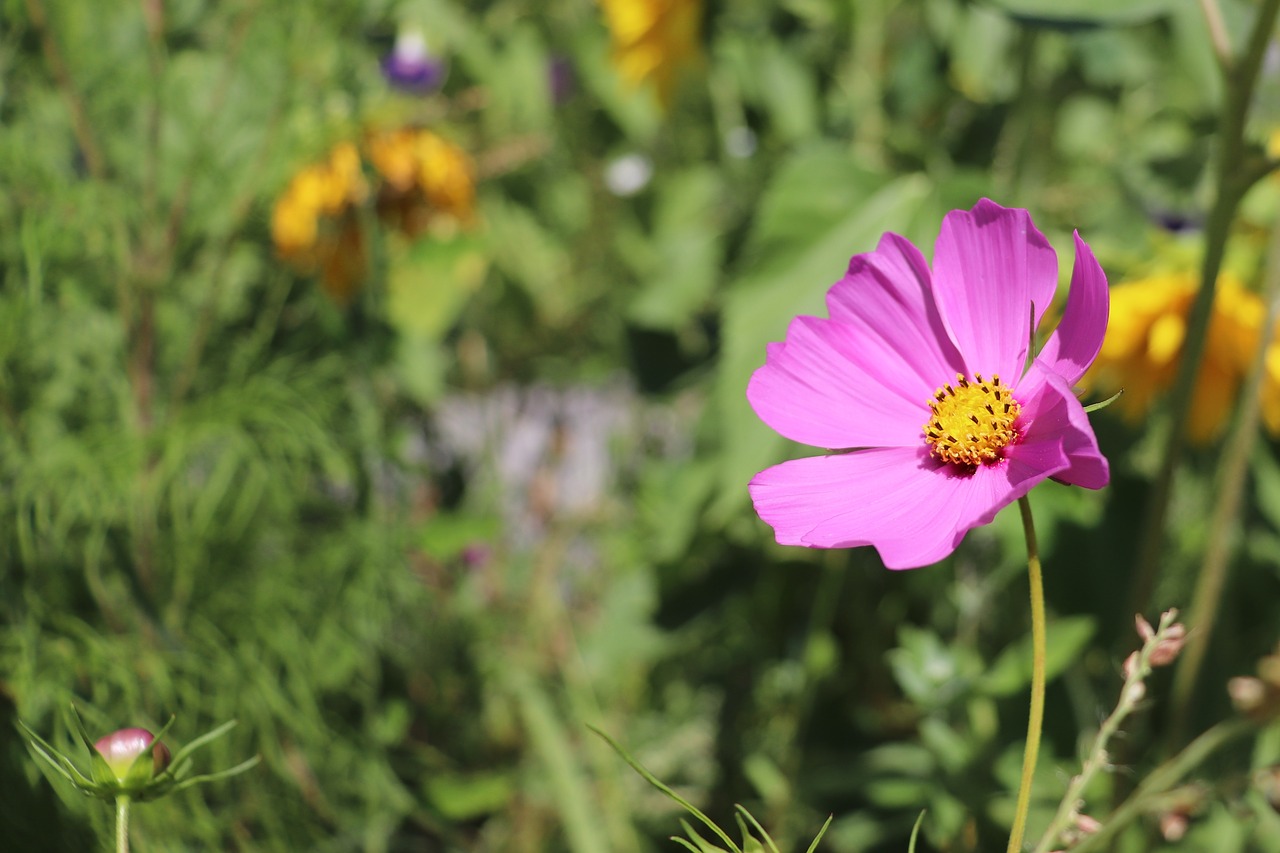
(1162,779)
(1035,721)
(1224,525)
(122,824)
(1099,757)
(1217,31)
(1235,171)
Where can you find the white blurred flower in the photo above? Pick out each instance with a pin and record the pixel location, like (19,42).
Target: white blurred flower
(627,175)
(740,142)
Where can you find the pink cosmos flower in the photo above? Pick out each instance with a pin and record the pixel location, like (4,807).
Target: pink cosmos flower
(920,383)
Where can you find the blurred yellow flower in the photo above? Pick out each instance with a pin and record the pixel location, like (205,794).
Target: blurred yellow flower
(428,182)
(444,175)
(327,189)
(423,183)
(1144,344)
(391,153)
(653,39)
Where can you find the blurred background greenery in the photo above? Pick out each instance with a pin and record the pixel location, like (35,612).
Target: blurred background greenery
(373,373)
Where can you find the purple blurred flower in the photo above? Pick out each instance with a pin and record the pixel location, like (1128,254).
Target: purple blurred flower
(411,67)
(561,79)
(477,555)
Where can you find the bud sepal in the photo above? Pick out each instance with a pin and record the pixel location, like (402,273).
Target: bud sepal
(137,765)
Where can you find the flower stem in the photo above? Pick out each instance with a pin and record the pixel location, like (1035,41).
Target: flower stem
(1224,524)
(1035,721)
(1236,169)
(122,823)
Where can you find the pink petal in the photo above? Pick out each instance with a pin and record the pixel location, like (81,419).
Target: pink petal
(1057,423)
(827,385)
(887,295)
(990,266)
(1075,343)
(913,510)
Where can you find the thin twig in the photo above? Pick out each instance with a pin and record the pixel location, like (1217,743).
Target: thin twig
(1098,757)
(1162,779)
(1217,32)
(204,322)
(221,90)
(93,158)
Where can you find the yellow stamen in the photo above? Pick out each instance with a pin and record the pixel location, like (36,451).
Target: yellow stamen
(972,421)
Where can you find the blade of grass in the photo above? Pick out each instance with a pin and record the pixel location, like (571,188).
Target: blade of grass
(915,833)
(658,783)
(764,836)
(823,831)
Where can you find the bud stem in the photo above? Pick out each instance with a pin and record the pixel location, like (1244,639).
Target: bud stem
(122,824)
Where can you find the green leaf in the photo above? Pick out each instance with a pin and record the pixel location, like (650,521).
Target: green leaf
(429,280)
(686,250)
(767,778)
(100,770)
(931,671)
(534,258)
(445,536)
(1077,13)
(183,755)
(54,758)
(1102,404)
(217,775)
(1066,639)
(467,797)
(983,46)
(786,86)
(567,782)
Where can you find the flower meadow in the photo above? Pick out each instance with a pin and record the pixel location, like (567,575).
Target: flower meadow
(638,425)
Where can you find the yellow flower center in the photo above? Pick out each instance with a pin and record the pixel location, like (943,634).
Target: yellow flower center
(972,421)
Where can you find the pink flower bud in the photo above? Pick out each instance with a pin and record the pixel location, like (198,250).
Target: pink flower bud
(1087,825)
(1248,694)
(1145,631)
(1130,665)
(1169,645)
(121,748)
(1173,826)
